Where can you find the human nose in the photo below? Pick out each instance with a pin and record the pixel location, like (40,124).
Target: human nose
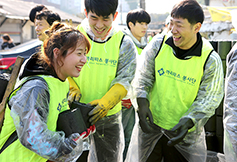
(83,59)
(99,24)
(36,28)
(172,28)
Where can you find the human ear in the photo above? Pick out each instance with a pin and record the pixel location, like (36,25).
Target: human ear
(197,27)
(130,24)
(85,13)
(57,58)
(55,52)
(115,15)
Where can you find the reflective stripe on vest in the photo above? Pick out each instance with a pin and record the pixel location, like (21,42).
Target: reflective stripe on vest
(16,151)
(176,85)
(100,70)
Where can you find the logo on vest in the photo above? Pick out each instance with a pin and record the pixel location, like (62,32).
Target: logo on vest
(176,76)
(102,61)
(63,104)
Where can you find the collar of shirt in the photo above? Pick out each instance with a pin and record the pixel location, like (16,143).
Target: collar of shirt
(141,44)
(195,50)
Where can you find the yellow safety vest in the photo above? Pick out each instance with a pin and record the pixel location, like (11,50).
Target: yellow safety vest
(58,91)
(100,70)
(139,50)
(149,38)
(176,85)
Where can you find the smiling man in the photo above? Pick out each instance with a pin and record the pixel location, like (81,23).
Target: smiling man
(106,77)
(178,85)
(43,20)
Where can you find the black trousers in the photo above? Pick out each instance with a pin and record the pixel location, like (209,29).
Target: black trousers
(167,153)
(83,157)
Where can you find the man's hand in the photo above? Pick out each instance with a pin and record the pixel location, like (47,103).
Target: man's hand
(116,93)
(181,129)
(74,95)
(145,116)
(98,112)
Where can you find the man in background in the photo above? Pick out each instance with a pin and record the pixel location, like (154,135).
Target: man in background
(230,107)
(34,11)
(137,25)
(43,20)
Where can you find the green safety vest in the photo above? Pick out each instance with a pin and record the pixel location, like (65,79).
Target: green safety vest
(58,103)
(149,38)
(176,85)
(100,70)
(139,50)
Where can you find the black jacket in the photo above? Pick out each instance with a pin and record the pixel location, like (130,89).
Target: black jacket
(6,45)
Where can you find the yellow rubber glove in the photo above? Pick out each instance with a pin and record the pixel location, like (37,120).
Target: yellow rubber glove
(116,93)
(74,92)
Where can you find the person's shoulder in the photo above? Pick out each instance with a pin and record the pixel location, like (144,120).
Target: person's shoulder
(208,45)
(36,82)
(157,40)
(232,55)
(4,45)
(214,59)
(127,39)
(160,36)
(215,54)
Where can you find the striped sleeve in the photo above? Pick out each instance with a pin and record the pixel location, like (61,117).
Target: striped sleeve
(211,92)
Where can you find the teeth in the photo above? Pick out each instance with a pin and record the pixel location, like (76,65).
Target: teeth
(99,30)
(176,37)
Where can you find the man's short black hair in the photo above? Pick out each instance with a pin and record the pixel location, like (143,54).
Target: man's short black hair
(101,7)
(190,10)
(49,16)
(34,10)
(138,15)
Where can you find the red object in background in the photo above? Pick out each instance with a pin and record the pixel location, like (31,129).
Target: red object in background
(5,63)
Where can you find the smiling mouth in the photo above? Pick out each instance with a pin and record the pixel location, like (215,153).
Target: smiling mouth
(79,68)
(99,31)
(176,38)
